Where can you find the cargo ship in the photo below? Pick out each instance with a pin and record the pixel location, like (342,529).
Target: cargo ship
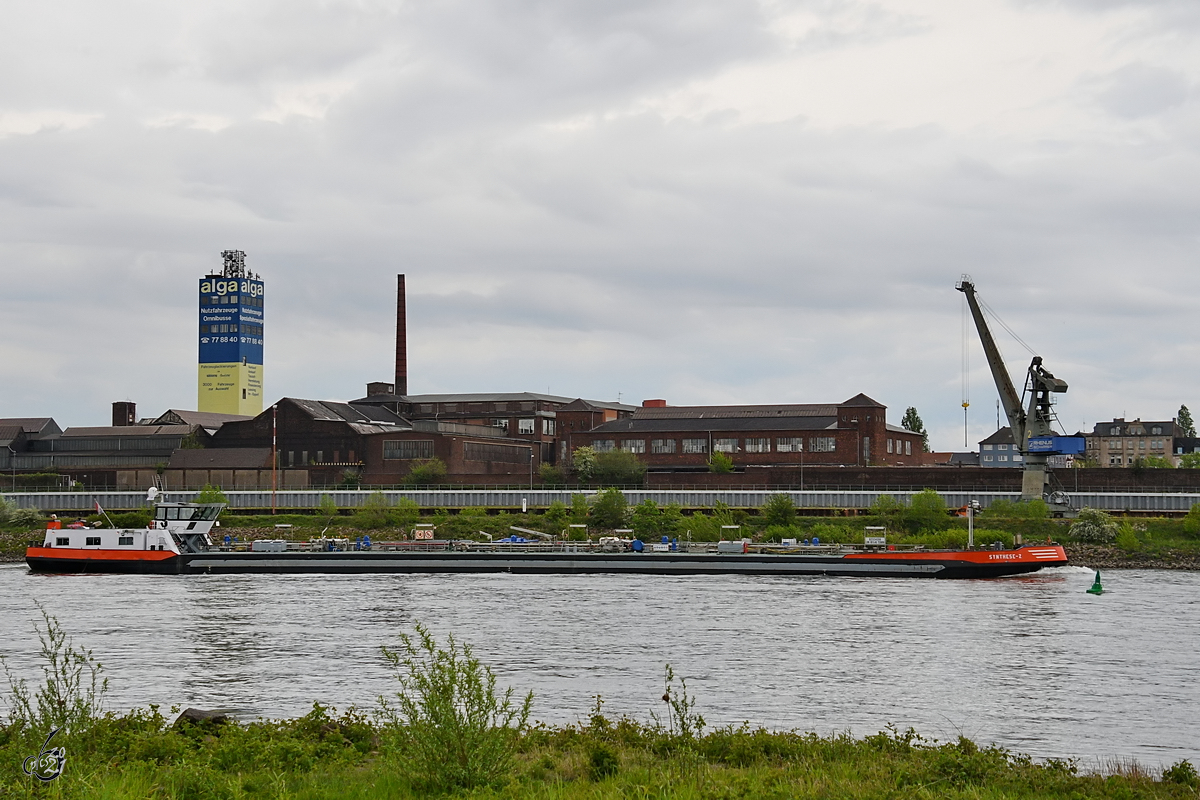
(178,542)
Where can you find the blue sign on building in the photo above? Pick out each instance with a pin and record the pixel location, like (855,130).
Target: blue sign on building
(1057,445)
(231,321)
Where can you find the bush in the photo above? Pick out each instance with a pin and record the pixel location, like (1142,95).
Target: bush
(459,731)
(551,475)
(1191,523)
(618,468)
(926,512)
(211,494)
(428,472)
(1182,773)
(719,463)
(779,510)
(609,510)
(377,512)
(1127,538)
(1093,525)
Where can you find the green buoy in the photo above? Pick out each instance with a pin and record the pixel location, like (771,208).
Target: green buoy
(1096,587)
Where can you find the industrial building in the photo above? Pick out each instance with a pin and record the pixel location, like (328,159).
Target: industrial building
(230,340)
(854,432)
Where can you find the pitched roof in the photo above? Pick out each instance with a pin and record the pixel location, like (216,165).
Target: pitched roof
(44,426)
(1002,436)
(206,419)
(861,399)
(637,424)
(128,430)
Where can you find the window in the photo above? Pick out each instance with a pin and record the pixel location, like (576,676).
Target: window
(1018,457)
(758,445)
(1129,444)
(987,458)
(1002,458)
(1156,430)
(125,540)
(889,445)
(908,448)
(695,445)
(1141,444)
(425,408)
(500,422)
(1114,431)
(1156,444)
(987,447)
(1115,459)
(506,453)
(63,541)
(405,450)
(634,445)
(524,426)
(1114,444)
(791,444)
(450,407)
(822,444)
(725,445)
(92,541)
(1001,447)
(500,407)
(604,445)
(547,427)
(320,456)
(527,406)
(662,445)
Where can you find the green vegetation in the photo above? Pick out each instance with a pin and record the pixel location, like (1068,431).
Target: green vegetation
(1184,419)
(211,494)
(551,476)
(1093,525)
(610,510)
(912,422)
(427,472)
(720,463)
(618,468)
(452,732)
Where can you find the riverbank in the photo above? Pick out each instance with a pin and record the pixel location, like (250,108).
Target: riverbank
(1098,556)
(325,755)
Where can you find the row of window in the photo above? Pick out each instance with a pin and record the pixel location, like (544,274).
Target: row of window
(407,449)
(1155,430)
(320,459)
(483,408)
(91,541)
(1016,457)
(1155,444)
(998,447)
(900,446)
(783,444)
(232,300)
(526,426)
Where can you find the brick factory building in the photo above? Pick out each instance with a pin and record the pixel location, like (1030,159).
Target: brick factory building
(683,437)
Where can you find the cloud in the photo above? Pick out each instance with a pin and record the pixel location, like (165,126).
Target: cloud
(708,202)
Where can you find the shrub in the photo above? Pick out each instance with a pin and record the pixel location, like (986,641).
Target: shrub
(618,468)
(428,472)
(779,510)
(583,463)
(1127,538)
(1093,525)
(551,475)
(602,762)
(926,512)
(460,732)
(211,494)
(648,519)
(1191,523)
(719,463)
(609,510)
(72,692)
(1181,772)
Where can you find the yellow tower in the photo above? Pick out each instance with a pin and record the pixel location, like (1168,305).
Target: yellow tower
(231,339)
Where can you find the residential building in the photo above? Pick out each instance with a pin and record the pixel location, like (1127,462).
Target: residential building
(1120,443)
(999,450)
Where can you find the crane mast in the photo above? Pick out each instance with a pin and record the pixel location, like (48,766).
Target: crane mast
(1026,421)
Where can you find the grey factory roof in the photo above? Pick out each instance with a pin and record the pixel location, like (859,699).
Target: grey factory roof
(34,426)
(775,412)
(209,420)
(484,397)
(325,410)
(127,430)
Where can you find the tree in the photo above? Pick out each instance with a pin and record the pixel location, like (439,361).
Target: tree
(926,512)
(1184,420)
(426,472)
(1093,525)
(550,475)
(583,461)
(720,463)
(648,519)
(618,468)
(1189,461)
(912,422)
(779,510)
(211,494)
(610,510)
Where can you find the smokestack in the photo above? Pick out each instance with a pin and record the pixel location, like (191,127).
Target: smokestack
(124,414)
(401,339)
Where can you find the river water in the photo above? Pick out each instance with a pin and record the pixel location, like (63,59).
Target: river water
(1032,663)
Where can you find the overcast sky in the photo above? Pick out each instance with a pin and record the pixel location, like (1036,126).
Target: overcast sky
(706,201)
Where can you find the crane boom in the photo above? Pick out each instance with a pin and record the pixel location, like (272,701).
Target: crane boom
(1008,393)
(1025,422)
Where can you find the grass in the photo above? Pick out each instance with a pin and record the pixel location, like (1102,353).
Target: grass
(448,702)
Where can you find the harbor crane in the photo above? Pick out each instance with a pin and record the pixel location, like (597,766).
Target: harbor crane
(1030,420)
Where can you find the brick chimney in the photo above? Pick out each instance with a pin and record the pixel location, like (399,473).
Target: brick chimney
(401,339)
(124,414)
